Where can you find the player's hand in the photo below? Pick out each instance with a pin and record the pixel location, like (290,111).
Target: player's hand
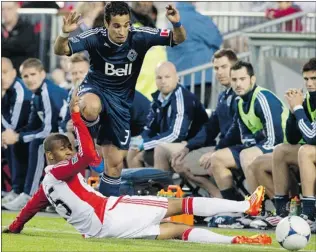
(172,13)
(205,160)
(74,102)
(178,157)
(70,126)
(71,22)
(9,137)
(294,97)
(6,230)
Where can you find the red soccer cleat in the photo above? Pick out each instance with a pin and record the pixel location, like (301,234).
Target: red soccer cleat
(261,239)
(255,201)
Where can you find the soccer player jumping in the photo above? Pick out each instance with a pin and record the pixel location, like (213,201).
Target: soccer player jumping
(116,53)
(94,215)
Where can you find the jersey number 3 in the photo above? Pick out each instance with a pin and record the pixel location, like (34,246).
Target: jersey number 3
(58,202)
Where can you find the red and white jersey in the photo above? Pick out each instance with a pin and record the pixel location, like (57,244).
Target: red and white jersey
(77,202)
(64,187)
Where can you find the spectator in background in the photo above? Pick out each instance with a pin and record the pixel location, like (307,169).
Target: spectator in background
(203,40)
(48,108)
(18,40)
(89,12)
(15,105)
(285,9)
(65,65)
(141,14)
(58,76)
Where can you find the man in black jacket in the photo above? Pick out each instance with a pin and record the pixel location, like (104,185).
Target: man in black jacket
(18,40)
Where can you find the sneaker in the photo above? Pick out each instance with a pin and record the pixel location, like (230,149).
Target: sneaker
(261,239)
(9,197)
(255,201)
(311,223)
(268,220)
(18,203)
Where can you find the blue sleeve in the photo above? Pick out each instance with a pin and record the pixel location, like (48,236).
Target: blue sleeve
(45,126)
(208,133)
(155,36)
(269,109)
(83,41)
(179,126)
(307,128)
(293,134)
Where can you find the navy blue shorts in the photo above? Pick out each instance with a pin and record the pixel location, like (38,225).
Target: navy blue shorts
(115,118)
(236,149)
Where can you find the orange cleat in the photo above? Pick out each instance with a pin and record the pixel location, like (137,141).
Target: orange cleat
(255,201)
(261,239)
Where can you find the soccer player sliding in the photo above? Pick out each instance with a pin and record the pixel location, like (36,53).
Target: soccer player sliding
(97,216)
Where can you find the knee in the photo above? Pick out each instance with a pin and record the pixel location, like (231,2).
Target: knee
(245,158)
(280,151)
(306,152)
(90,106)
(161,152)
(216,161)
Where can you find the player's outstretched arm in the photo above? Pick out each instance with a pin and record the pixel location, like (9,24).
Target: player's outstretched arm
(71,23)
(33,206)
(86,151)
(179,33)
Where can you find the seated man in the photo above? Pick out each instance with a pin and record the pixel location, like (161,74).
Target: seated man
(261,117)
(48,104)
(176,115)
(300,129)
(188,159)
(16,107)
(96,216)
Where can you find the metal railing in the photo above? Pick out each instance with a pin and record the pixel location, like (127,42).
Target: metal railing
(230,21)
(238,42)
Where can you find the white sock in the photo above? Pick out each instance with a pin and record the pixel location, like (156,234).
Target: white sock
(206,236)
(212,206)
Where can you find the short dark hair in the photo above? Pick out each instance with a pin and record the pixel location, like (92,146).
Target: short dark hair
(240,64)
(49,141)
(114,9)
(229,53)
(310,65)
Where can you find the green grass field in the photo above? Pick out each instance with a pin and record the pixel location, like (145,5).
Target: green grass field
(47,233)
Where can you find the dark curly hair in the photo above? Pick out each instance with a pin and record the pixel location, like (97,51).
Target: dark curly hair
(114,9)
(310,65)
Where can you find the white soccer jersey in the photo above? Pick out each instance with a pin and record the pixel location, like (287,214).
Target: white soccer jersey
(77,202)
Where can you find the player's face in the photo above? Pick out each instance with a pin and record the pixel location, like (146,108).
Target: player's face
(222,70)
(33,78)
(310,80)
(241,82)
(78,71)
(166,80)
(118,28)
(62,151)
(9,11)
(8,75)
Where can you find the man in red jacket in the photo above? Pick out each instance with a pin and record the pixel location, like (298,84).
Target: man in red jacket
(285,9)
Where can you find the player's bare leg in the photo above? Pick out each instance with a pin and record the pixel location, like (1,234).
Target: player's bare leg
(247,156)
(113,164)
(262,170)
(90,108)
(163,154)
(284,155)
(221,163)
(135,158)
(307,161)
(199,207)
